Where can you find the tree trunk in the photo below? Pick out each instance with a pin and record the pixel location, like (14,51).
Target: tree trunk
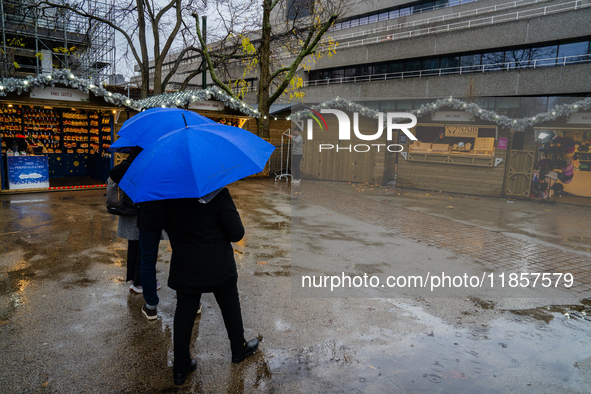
(265,72)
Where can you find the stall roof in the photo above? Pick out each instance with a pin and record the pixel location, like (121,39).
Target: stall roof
(179,99)
(484,114)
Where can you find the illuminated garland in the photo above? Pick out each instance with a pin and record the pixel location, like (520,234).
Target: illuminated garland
(179,99)
(472,108)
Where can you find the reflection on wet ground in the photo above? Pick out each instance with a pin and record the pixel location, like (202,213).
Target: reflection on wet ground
(68,322)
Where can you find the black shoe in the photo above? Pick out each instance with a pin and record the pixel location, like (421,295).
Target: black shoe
(249,348)
(150,314)
(179,378)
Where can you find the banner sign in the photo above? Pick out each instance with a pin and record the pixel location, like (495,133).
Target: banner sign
(452,116)
(207,105)
(502,144)
(580,118)
(53,93)
(461,131)
(27,172)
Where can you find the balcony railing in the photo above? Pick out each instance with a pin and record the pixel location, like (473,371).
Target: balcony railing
(518,65)
(491,20)
(441,18)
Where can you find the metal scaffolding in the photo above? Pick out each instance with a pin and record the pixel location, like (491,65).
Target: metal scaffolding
(35,41)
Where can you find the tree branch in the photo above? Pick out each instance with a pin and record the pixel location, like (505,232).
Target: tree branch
(306,50)
(207,57)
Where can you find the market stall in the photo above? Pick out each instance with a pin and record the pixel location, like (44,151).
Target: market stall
(454,152)
(68,127)
(565,146)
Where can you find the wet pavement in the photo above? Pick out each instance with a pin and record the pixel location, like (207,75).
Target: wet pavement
(68,323)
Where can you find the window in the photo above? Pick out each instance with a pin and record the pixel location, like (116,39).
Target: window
(383,16)
(340,73)
(299,8)
(431,66)
(336,26)
(396,69)
(428,6)
(530,106)
(381,69)
(470,63)
(393,14)
(573,53)
(544,56)
(354,22)
(417,9)
(493,60)
(449,65)
(367,70)
(412,68)
(518,58)
(363,21)
(373,18)
(351,72)
(405,11)
(345,24)
(440,4)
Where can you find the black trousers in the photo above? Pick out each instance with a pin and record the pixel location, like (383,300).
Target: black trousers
(187,305)
(133,262)
(295,166)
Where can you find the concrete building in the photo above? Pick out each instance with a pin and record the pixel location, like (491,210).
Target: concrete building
(434,49)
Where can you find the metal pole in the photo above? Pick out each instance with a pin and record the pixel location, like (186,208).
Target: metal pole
(204,74)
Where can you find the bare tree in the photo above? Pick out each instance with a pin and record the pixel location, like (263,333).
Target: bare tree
(144,24)
(290,33)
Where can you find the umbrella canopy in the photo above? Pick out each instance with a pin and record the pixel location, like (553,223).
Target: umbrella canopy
(147,126)
(194,161)
(123,145)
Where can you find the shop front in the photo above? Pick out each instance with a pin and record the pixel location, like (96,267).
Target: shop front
(454,152)
(563,159)
(66,129)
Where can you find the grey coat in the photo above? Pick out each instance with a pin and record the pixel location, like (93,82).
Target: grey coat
(127,228)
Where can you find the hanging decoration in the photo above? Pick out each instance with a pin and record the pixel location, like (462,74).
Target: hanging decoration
(181,99)
(178,99)
(473,108)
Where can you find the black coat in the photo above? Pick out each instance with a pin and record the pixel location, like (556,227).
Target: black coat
(200,236)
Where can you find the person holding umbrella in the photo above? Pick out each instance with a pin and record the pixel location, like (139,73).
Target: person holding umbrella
(188,168)
(203,262)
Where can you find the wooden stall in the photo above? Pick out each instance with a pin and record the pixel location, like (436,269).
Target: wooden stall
(278,125)
(71,128)
(326,157)
(575,128)
(471,158)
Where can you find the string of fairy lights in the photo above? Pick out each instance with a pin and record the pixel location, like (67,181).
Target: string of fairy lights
(184,98)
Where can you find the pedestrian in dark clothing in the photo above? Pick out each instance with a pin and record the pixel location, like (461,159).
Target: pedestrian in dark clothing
(297,152)
(203,262)
(127,228)
(150,224)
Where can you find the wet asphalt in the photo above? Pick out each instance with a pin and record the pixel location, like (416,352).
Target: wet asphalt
(69,324)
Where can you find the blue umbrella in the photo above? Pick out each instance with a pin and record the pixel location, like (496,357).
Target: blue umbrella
(122,145)
(194,161)
(147,126)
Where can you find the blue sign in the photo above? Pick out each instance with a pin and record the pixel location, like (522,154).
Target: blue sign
(27,172)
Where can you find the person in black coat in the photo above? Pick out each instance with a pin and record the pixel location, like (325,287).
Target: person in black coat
(203,262)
